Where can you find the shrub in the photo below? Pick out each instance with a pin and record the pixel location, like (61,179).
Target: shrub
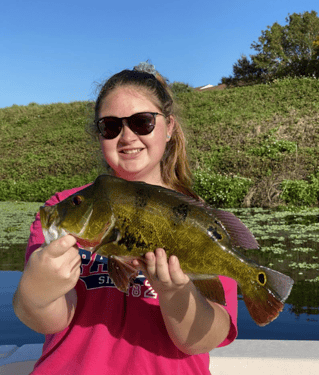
(221,191)
(301,192)
(273,148)
(40,190)
(179,87)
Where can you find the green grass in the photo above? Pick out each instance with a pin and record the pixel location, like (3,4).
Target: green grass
(248,146)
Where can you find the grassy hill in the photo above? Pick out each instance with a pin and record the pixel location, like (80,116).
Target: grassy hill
(248,146)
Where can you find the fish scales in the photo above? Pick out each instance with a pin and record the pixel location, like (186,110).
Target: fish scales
(162,224)
(177,227)
(123,220)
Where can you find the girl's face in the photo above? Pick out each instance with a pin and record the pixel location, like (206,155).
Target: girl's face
(132,156)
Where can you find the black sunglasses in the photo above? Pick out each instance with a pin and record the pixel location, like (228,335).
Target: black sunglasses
(142,123)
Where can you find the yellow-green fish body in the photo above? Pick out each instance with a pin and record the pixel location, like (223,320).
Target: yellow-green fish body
(123,220)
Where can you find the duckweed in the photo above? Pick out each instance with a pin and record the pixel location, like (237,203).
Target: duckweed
(304,250)
(274,250)
(304,265)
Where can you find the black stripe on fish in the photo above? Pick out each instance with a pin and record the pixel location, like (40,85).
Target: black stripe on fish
(180,212)
(129,240)
(142,197)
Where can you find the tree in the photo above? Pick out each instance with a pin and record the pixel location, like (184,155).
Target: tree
(245,71)
(290,50)
(316,47)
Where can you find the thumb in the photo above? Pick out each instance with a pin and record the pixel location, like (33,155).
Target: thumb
(59,247)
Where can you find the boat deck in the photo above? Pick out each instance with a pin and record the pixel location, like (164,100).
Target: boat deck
(277,357)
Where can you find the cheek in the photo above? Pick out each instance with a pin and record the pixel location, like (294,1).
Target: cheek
(156,142)
(159,135)
(108,147)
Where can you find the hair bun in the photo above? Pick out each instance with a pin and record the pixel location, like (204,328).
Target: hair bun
(145,67)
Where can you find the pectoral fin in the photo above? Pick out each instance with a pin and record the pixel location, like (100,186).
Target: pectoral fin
(121,271)
(210,287)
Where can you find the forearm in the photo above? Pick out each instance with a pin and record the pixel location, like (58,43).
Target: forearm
(51,318)
(194,324)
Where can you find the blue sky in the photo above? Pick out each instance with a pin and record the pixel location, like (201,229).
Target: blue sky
(56,51)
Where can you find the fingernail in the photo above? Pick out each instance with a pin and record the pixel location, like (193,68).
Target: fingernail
(173,259)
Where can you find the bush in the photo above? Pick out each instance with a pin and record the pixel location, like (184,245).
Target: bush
(221,191)
(42,189)
(301,192)
(272,147)
(179,87)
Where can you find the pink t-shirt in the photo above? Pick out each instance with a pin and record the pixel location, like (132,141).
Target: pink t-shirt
(117,333)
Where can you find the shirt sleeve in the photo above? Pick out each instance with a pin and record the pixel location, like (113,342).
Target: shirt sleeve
(230,289)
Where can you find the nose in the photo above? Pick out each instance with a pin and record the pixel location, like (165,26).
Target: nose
(127,134)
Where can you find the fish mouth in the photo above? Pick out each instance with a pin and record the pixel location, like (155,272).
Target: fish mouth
(51,230)
(53,233)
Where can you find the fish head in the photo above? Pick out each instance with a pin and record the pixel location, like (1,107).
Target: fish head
(87,215)
(48,217)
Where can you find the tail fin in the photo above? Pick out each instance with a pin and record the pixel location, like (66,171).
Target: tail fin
(280,284)
(267,301)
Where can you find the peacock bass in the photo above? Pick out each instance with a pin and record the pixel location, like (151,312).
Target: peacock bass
(123,220)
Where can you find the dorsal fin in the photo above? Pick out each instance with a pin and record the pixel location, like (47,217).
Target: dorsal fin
(240,235)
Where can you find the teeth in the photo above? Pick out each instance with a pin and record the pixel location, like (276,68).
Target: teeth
(135,151)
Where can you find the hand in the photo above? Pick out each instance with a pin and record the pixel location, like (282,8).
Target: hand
(52,271)
(165,276)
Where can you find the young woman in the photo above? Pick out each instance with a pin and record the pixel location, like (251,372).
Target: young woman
(163,325)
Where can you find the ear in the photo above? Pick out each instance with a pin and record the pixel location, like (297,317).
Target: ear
(170,127)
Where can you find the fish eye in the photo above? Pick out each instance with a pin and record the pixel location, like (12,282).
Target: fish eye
(77,200)
(262,278)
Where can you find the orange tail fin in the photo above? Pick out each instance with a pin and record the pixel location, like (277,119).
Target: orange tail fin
(263,312)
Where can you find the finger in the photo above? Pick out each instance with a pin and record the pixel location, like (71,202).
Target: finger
(76,262)
(177,275)
(150,265)
(76,271)
(162,266)
(60,246)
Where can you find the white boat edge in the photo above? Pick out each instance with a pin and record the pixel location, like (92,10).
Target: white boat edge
(262,356)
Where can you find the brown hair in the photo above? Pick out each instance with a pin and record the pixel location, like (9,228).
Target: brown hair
(175,168)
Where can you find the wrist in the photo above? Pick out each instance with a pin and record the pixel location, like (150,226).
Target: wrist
(175,302)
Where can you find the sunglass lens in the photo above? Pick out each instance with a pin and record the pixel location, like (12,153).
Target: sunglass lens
(142,123)
(110,128)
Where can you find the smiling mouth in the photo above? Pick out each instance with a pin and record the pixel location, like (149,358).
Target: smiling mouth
(132,151)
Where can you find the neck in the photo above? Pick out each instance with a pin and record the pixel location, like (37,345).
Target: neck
(149,179)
